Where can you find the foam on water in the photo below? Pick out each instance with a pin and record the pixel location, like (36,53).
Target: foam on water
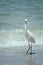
(12,15)
(9,38)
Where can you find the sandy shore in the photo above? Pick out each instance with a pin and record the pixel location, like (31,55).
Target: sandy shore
(16,56)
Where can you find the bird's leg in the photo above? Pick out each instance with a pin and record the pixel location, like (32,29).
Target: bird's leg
(31,49)
(28,49)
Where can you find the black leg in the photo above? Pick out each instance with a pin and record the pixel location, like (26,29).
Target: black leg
(31,49)
(28,49)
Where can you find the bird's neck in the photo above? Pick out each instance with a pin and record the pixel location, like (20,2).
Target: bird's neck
(25,27)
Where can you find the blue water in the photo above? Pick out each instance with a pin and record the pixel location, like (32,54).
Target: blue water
(16,56)
(12,15)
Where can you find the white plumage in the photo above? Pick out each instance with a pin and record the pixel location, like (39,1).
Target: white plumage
(29,36)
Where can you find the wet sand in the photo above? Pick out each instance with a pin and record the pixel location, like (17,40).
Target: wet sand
(16,56)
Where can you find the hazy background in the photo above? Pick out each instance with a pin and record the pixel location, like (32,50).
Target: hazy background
(12,15)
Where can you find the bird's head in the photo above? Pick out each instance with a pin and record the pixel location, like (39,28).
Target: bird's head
(26,21)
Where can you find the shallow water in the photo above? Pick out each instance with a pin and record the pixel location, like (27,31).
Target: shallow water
(16,56)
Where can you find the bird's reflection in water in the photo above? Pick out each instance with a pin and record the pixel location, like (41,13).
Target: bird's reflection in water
(31,61)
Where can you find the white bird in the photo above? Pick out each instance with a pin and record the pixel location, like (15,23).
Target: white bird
(29,37)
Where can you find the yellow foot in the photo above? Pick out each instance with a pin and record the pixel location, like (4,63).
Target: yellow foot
(26,54)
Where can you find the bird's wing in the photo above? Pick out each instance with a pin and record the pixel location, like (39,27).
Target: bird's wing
(30,37)
(29,34)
